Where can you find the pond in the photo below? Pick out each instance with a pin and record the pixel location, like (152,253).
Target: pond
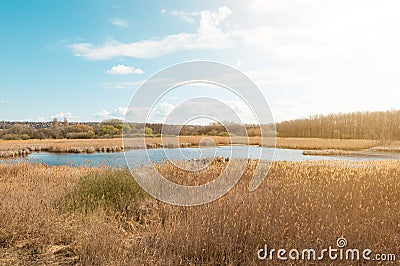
(139,157)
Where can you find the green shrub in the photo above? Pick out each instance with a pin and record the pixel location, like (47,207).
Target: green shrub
(11,137)
(80,135)
(113,190)
(148,131)
(24,136)
(110,130)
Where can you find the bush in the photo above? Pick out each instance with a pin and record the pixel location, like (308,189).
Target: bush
(148,131)
(254,132)
(24,136)
(110,130)
(11,137)
(114,191)
(82,135)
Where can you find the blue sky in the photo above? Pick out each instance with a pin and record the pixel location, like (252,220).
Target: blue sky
(84,59)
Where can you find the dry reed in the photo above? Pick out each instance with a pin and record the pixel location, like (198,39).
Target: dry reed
(299,205)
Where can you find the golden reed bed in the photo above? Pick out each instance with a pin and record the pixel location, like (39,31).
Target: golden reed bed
(299,205)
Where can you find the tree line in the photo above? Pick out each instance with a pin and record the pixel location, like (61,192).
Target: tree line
(114,128)
(356,125)
(213,129)
(64,130)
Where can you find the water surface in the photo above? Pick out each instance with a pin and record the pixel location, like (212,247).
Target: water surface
(138,157)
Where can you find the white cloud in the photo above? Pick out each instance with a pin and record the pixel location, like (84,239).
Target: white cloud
(123,70)
(210,21)
(67,115)
(163,11)
(189,17)
(102,114)
(119,22)
(118,113)
(4,101)
(208,36)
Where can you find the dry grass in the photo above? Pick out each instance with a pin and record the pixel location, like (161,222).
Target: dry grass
(299,205)
(59,145)
(61,142)
(395,144)
(35,227)
(330,152)
(319,144)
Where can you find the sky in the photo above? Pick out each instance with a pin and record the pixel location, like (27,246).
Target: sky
(84,60)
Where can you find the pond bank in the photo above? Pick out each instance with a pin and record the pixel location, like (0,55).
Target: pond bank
(373,152)
(12,149)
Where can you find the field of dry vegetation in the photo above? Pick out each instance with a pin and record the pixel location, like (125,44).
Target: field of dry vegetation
(98,216)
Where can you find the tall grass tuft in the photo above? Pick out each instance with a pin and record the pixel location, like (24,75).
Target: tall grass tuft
(114,191)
